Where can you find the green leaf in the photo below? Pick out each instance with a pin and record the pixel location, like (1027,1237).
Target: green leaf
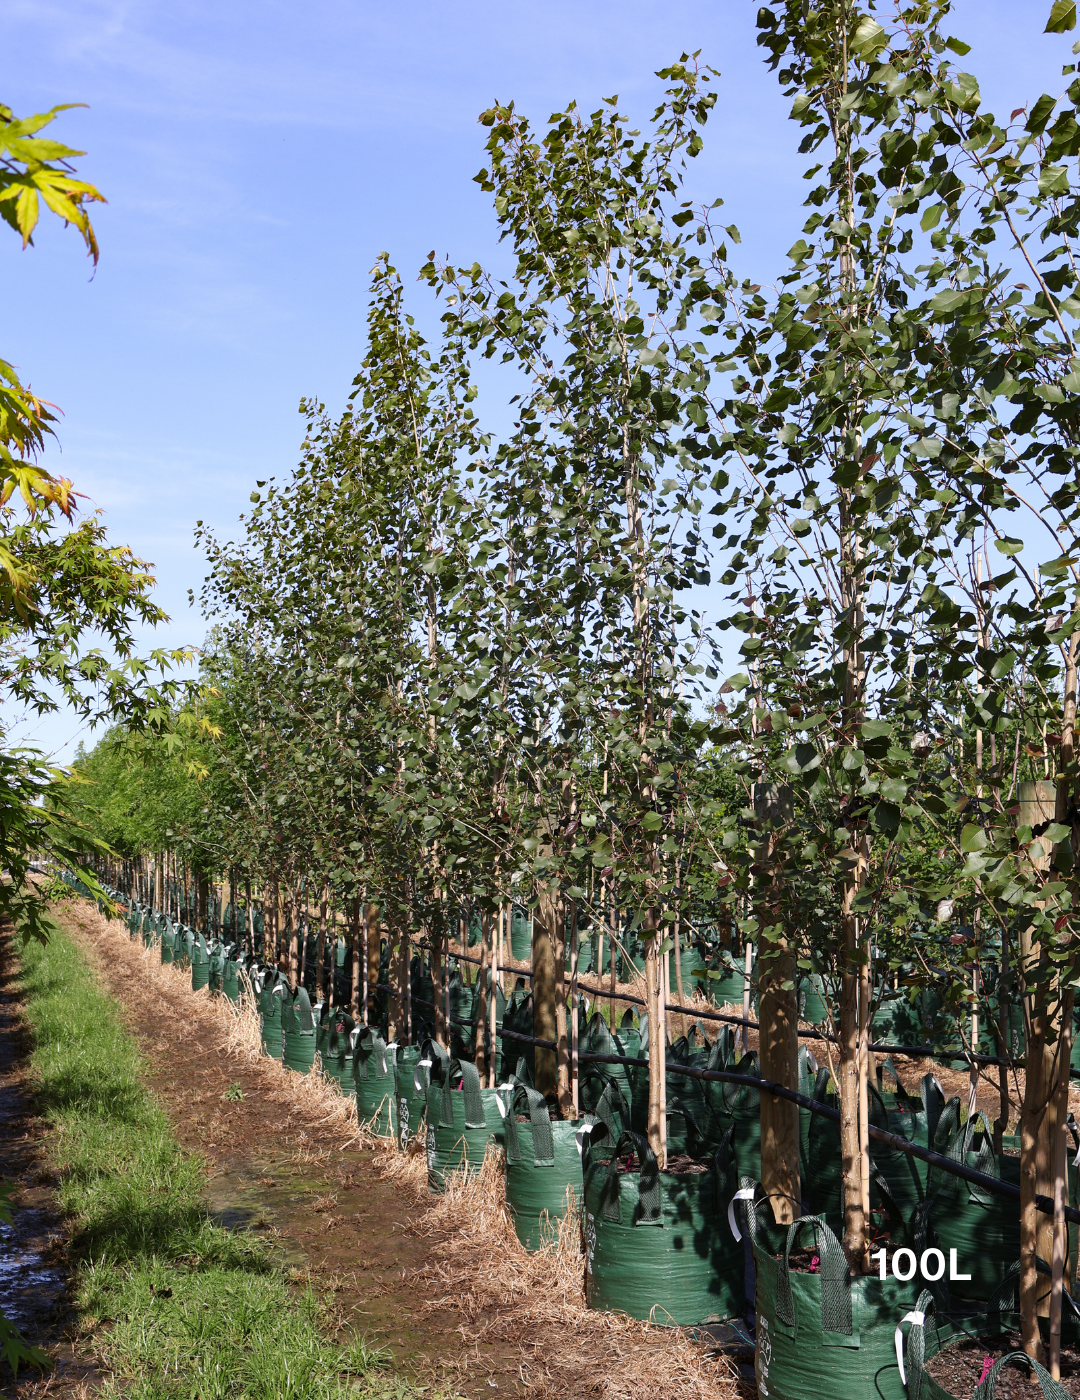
(1053,179)
(972,838)
(652,821)
(876,729)
(1005,545)
(803,758)
(1062,17)
(869,39)
(931,217)
(1056,832)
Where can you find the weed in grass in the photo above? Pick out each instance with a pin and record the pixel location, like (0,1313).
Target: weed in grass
(173,1304)
(233,1094)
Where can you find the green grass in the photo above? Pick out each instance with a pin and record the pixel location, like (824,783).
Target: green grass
(175,1305)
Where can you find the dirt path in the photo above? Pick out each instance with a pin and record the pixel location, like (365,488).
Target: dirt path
(275,1167)
(438,1292)
(34,1277)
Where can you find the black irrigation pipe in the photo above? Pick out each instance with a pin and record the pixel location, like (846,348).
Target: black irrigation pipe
(698,1014)
(916,1051)
(900,1144)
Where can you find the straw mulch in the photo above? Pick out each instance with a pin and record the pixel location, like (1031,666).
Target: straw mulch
(476,1268)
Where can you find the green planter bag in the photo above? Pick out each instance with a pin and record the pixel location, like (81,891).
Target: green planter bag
(411,1080)
(335,1046)
(184,947)
(657,1244)
(298,1026)
(736,1106)
(598,1040)
(520,934)
(274,990)
(199,957)
(929,1335)
(230,979)
(813,1006)
(984,1229)
(373,1072)
(543,1165)
(217,965)
(168,945)
(462,1119)
(825,1333)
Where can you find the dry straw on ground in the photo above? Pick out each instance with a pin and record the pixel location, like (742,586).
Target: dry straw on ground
(476,1268)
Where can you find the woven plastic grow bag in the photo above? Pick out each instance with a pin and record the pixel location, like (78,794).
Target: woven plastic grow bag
(520,934)
(983,1228)
(230,979)
(737,1106)
(543,1167)
(199,956)
(217,965)
(334,1044)
(462,1120)
(299,1023)
(658,1244)
(373,1073)
(275,988)
(411,1079)
(928,1334)
(825,1333)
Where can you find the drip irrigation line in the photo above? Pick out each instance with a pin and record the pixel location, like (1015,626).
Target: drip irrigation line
(900,1144)
(966,1057)
(698,1014)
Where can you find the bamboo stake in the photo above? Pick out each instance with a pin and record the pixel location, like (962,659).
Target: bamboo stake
(574,941)
(493,1008)
(1061,1172)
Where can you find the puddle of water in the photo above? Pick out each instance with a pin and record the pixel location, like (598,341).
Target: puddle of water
(30,1287)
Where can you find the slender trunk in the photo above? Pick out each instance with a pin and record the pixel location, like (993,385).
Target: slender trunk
(371,959)
(320,962)
(359,964)
(657,1126)
(545,1026)
(480,1049)
(1037,806)
(1060,1162)
(850,1154)
(561,1027)
(293,934)
(493,1008)
(574,953)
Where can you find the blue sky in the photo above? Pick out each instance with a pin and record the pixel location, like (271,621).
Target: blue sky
(258,156)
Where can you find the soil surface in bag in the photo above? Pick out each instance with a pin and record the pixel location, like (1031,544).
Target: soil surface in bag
(961,1365)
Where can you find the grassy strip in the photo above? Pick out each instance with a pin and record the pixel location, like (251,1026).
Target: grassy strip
(191,1309)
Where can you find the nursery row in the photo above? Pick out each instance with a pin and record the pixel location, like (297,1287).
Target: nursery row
(672,1243)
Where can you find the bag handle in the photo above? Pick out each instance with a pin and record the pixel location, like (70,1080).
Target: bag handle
(648,1181)
(835,1278)
(1051,1389)
(539,1118)
(368,1042)
(470,1084)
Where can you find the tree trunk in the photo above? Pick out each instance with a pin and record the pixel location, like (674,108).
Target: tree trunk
(358,990)
(543,990)
(850,1154)
(778,1014)
(320,961)
(657,1124)
(566,1102)
(1037,807)
(371,955)
(479,1050)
